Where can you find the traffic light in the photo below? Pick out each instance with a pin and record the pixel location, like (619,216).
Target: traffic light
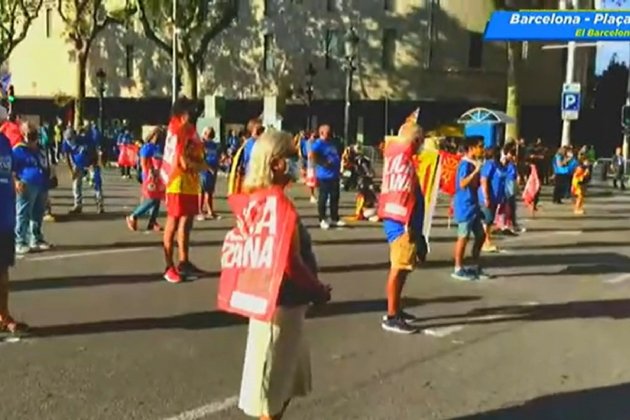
(625,117)
(11,94)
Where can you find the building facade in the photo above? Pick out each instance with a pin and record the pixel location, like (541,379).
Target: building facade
(409,50)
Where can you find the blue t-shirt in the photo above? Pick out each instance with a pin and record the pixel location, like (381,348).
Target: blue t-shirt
(304,148)
(29,165)
(572,165)
(465,201)
(94,137)
(557,168)
(326,152)
(79,151)
(211,154)
(149,151)
(493,172)
(7,189)
(394,229)
(247,151)
(124,138)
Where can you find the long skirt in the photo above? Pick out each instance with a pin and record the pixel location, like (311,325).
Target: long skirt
(277,363)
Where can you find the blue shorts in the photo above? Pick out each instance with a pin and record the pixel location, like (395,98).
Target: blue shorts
(472,227)
(208,182)
(487,215)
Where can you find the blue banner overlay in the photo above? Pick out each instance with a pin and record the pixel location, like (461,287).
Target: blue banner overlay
(532,25)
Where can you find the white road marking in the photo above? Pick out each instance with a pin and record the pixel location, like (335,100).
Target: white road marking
(618,279)
(86,254)
(442,332)
(206,410)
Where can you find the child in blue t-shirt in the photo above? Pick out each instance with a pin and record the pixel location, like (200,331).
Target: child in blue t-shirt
(467,213)
(209,177)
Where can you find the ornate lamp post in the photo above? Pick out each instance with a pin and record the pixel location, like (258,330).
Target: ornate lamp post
(100,78)
(349,66)
(310,92)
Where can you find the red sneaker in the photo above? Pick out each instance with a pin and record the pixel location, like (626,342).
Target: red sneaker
(132,223)
(171,275)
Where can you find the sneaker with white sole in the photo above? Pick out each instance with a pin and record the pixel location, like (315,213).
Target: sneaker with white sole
(41,246)
(200,218)
(398,325)
(324,225)
(313,200)
(339,224)
(22,249)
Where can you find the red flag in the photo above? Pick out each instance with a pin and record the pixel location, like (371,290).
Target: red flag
(448,173)
(128,155)
(255,253)
(531,187)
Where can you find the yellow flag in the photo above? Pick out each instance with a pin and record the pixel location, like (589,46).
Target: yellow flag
(235,178)
(429,178)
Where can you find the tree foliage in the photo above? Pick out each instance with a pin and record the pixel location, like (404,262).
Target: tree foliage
(198,22)
(83,21)
(16,17)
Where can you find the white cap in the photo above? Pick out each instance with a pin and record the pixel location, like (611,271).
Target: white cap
(4,114)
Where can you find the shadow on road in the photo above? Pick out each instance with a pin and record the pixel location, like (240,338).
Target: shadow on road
(613,309)
(218,319)
(609,403)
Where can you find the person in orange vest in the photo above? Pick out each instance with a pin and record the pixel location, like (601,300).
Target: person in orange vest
(578,183)
(182,163)
(401,206)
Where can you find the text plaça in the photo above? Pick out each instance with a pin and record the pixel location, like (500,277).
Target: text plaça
(613,19)
(397,174)
(251,245)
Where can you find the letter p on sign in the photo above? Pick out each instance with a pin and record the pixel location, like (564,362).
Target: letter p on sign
(570,102)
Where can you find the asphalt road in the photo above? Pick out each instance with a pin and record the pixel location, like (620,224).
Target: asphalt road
(547,339)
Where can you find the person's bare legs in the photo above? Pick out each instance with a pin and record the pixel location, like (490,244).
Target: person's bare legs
(4,292)
(279,415)
(170,229)
(395,283)
(183,238)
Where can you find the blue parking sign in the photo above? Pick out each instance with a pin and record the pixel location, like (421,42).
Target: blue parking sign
(570,101)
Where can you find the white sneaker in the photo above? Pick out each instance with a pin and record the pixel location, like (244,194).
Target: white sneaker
(22,249)
(313,200)
(200,218)
(339,224)
(41,246)
(324,225)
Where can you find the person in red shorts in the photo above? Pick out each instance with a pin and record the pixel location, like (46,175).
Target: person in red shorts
(182,163)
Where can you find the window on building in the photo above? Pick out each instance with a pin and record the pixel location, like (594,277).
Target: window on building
(49,21)
(389,49)
(268,61)
(389,5)
(333,47)
(129,61)
(475,50)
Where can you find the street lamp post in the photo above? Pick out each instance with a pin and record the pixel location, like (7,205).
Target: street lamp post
(310,92)
(351,43)
(100,78)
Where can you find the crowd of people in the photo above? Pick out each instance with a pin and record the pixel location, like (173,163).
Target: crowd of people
(269,269)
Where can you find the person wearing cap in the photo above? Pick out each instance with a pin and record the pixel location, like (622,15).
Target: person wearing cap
(7,230)
(80,155)
(32,176)
(401,207)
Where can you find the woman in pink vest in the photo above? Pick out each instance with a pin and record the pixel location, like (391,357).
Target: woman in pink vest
(152,185)
(401,207)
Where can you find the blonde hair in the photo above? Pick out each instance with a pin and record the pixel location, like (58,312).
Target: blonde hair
(272,144)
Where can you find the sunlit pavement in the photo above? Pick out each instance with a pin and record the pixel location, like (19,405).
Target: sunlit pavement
(548,338)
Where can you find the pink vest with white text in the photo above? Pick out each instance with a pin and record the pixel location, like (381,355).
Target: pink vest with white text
(397,197)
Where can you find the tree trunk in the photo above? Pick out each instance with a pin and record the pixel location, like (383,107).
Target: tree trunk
(513,105)
(81,78)
(190,80)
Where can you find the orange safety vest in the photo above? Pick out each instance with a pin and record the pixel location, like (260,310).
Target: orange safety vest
(398,197)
